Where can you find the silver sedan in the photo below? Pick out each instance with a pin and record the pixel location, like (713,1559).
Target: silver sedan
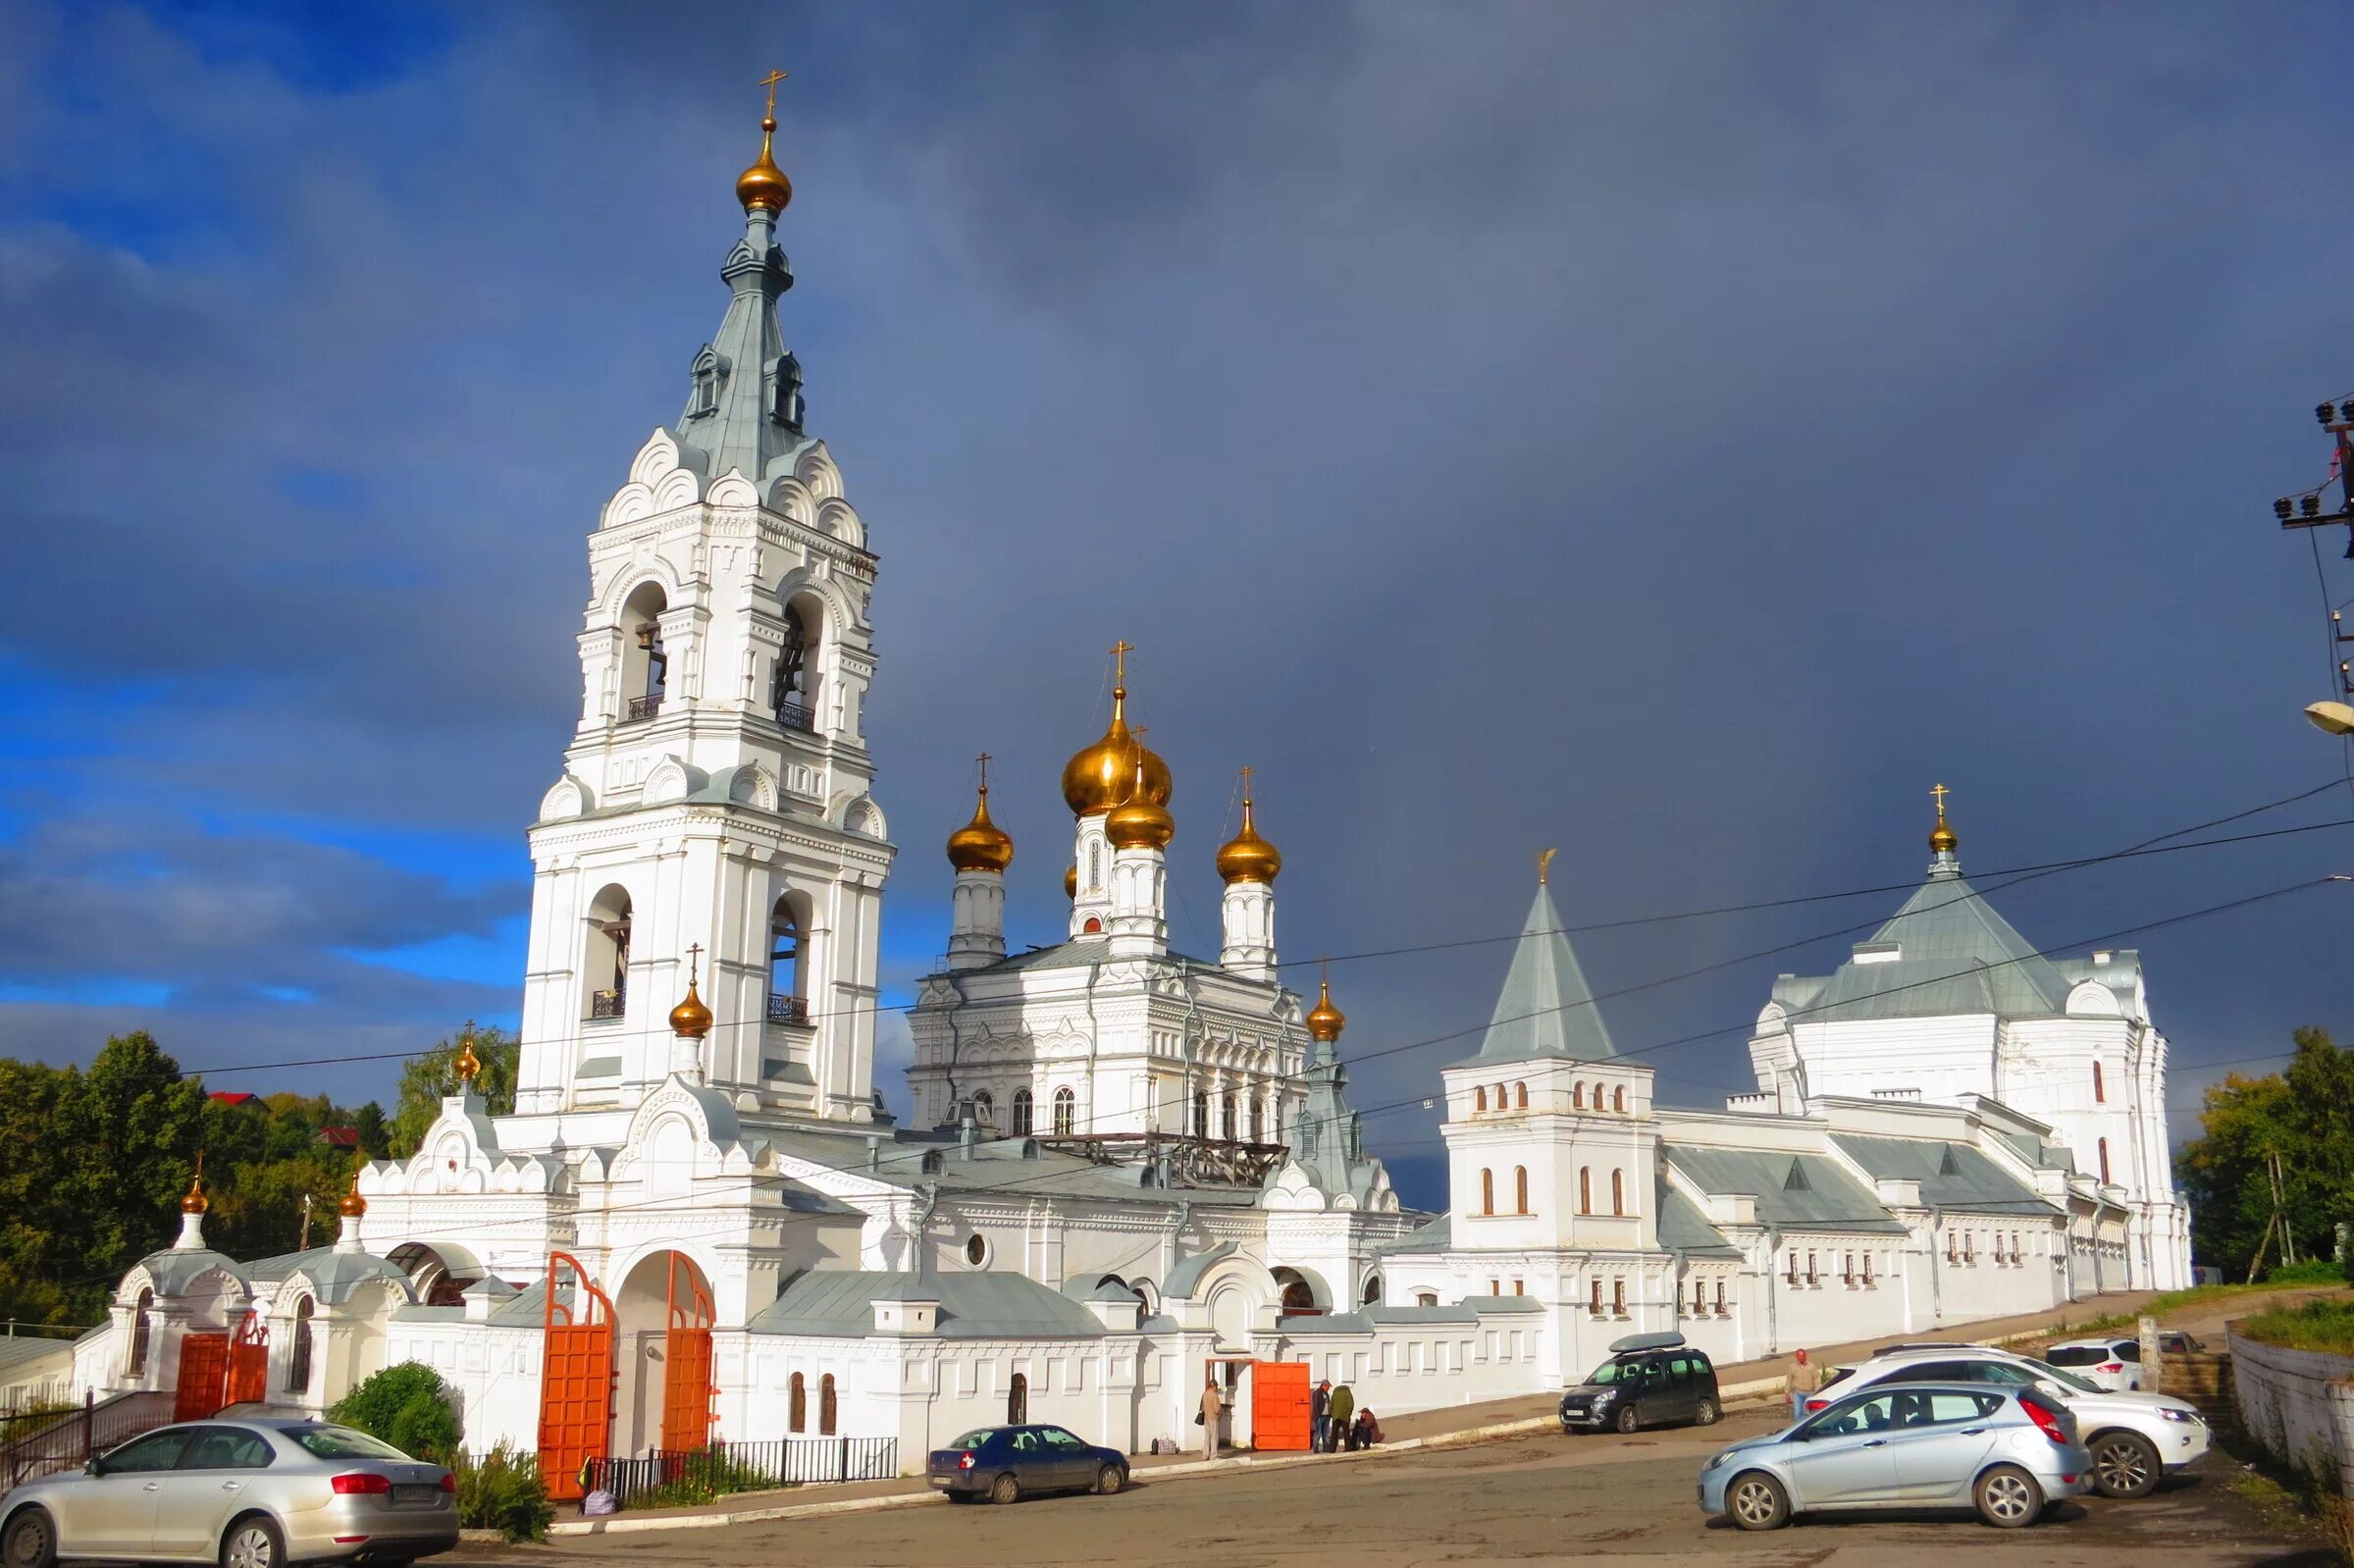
(2007,1452)
(241,1493)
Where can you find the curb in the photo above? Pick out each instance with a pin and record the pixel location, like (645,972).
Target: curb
(622,1524)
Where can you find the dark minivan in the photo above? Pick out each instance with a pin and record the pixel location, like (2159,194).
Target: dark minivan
(1001,1463)
(1649,1379)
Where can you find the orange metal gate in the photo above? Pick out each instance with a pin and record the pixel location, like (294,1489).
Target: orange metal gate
(687,1391)
(248,1378)
(203,1367)
(576,1376)
(1278,1406)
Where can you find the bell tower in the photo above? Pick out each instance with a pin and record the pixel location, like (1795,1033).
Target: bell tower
(717,794)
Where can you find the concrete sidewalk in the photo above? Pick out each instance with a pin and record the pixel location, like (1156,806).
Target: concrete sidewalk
(1741,1383)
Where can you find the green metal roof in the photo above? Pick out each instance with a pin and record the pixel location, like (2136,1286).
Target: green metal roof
(972,1306)
(1683,1228)
(1946,951)
(1801,1191)
(741,421)
(1952,1176)
(1545,1008)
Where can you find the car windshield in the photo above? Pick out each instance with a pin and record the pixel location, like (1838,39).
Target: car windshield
(2068,1380)
(341,1443)
(1608,1371)
(974,1438)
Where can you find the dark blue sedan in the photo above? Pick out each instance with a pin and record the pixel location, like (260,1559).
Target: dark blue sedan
(1002,1463)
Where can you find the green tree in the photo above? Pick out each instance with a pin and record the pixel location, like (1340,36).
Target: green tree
(2304,1114)
(374,1134)
(431,1075)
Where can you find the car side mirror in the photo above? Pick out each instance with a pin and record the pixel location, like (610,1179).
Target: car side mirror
(96,1467)
(2046,1386)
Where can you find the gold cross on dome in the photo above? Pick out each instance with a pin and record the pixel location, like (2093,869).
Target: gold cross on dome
(1939,794)
(694,961)
(769,81)
(1120,659)
(1544,860)
(1246,772)
(984,762)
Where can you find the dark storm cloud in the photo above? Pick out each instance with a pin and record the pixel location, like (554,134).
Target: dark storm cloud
(1679,434)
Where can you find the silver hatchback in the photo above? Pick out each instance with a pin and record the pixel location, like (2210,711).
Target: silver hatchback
(255,1493)
(2006,1452)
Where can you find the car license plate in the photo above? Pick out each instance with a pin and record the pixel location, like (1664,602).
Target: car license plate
(416,1493)
(939,1481)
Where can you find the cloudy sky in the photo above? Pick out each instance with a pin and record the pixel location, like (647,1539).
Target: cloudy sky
(1675,434)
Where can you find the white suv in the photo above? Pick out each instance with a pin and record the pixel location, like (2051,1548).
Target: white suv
(2134,1437)
(2113,1364)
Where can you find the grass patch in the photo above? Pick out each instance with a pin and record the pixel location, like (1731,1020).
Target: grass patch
(705,1476)
(2326,1322)
(2292,1499)
(2171,1301)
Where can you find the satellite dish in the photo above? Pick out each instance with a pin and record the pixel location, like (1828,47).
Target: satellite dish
(2330,719)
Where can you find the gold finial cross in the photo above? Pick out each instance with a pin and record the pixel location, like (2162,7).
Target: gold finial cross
(1246,772)
(199,1171)
(1545,860)
(985,760)
(1939,794)
(1119,658)
(694,961)
(769,81)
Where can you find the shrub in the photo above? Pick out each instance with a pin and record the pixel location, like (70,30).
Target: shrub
(705,1475)
(409,1406)
(2323,1324)
(502,1491)
(2312,1271)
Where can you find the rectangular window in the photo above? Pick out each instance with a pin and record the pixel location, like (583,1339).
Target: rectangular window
(1516,1289)
(1846,1273)
(1618,1298)
(1495,1287)
(1593,1297)
(1720,1298)
(1810,1275)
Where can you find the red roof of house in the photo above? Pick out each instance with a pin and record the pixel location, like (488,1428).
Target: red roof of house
(231,1096)
(340,1137)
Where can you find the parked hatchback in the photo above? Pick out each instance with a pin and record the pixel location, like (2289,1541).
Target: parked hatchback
(1649,1379)
(1002,1463)
(241,1493)
(2114,1364)
(2006,1452)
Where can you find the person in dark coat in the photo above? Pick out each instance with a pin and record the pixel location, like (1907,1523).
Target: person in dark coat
(1319,1413)
(1366,1432)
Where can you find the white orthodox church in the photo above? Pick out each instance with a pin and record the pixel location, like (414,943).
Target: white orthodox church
(1131,1169)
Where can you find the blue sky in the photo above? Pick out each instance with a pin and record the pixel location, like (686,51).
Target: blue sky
(1666,433)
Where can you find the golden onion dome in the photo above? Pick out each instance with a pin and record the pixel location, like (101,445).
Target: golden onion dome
(1071,883)
(468,1065)
(1325,1021)
(1943,840)
(1116,767)
(691,1020)
(1139,825)
(981,845)
(1246,857)
(195,1202)
(763,184)
(353,1205)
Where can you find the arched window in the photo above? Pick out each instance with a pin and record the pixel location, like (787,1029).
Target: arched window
(1599,1102)
(138,1332)
(1520,1188)
(1520,1096)
(1503,1101)
(2104,1161)
(1201,1112)
(1226,1117)
(1618,1192)
(645,661)
(605,967)
(1095,867)
(1018,1402)
(1488,1192)
(788,684)
(798,1405)
(825,1406)
(2100,1091)
(1373,1290)
(1585,1189)
(985,1108)
(1258,1119)
(1479,1097)
(1577,1096)
(298,1362)
(1618,1098)
(1066,1111)
(1022,1113)
(787,991)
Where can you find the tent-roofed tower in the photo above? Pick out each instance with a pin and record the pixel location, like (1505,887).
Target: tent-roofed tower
(716,792)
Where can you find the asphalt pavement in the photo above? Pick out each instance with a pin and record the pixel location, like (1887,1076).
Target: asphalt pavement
(1521,1501)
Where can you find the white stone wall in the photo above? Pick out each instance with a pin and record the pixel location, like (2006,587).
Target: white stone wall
(2298,1403)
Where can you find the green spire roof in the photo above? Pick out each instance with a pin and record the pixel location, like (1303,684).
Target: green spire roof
(1546,1009)
(744,404)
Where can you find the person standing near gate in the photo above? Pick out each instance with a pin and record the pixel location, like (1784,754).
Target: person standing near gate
(1213,1407)
(1320,1404)
(1337,1410)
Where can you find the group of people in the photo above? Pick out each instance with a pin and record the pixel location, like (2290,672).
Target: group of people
(1338,1422)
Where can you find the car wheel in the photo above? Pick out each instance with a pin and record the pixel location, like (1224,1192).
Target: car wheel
(1109,1480)
(2123,1465)
(1629,1420)
(2007,1497)
(30,1543)
(1707,1414)
(1004,1489)
(1757,1501)
(253,1542)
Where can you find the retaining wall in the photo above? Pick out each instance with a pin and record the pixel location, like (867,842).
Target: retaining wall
(2298,1403)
